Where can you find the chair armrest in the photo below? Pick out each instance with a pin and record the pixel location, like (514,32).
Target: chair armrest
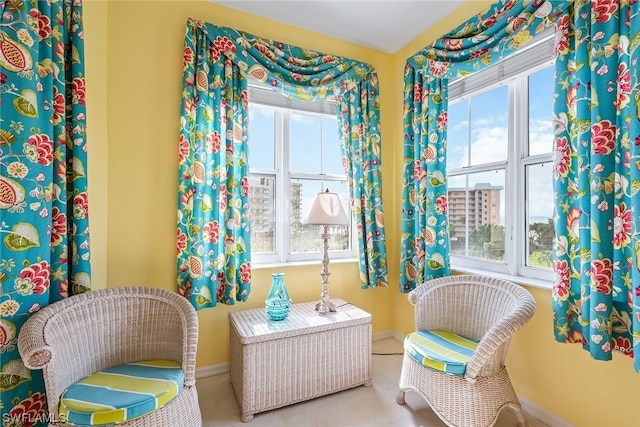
(32,347)
(498,335)
(415,295)
(189,353)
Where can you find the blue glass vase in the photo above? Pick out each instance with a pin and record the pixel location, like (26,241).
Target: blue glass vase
(278,302)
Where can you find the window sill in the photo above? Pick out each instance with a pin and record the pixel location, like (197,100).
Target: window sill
(267,265)
(527,281)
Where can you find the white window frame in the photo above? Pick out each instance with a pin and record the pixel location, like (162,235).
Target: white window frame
(283,175)
(513,72)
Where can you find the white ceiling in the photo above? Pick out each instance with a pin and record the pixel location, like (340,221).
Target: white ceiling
(384,25)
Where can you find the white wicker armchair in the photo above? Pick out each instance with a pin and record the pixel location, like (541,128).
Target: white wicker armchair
(486,309)
(87,333)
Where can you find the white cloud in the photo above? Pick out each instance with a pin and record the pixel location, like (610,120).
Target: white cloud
(489,144)
(540,136)
(540,186)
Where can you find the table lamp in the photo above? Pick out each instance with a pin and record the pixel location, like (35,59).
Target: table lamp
(326,210)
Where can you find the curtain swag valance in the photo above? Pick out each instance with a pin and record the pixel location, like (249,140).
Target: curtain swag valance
(486,39)
(297,72)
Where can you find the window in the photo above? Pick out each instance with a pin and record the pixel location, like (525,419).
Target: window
(294,153)
(499,165)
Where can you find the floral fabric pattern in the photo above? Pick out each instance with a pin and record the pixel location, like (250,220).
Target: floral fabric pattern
(213,234)
(425,233)
(44,246)
(482,41)
(359,127)
(596,295)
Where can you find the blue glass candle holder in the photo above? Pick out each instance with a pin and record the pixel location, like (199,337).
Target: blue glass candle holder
(278,303)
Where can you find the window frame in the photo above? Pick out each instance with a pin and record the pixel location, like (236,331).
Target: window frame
(512,72)
(284,176)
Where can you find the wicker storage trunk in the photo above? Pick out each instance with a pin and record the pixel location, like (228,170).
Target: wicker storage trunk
(278,363)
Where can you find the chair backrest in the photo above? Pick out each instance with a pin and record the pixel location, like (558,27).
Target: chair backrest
(99,329)
(468,305)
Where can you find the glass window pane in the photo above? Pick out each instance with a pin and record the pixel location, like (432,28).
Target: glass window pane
(261,138)
(539,215)
(307,238)
(458,135)
(476,213)
(489,126)
(331,152)
(262,213)
(541,112)
(457,208)
(305,143)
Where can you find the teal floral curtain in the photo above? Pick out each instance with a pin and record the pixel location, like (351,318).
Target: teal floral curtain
(44,246)
(482,41)
(596,294)
(359,121)
(213,234)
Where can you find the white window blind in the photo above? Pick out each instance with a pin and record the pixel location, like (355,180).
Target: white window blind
(266,96)
(539,53)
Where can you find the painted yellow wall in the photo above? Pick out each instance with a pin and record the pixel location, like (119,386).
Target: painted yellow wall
(133,55)
(96,82)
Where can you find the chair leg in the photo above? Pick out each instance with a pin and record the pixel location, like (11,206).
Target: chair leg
(400,398)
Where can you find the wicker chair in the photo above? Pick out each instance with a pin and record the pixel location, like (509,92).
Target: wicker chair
(87,333)
(487,310)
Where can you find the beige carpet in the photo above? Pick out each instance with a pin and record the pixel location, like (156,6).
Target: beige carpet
(361,406)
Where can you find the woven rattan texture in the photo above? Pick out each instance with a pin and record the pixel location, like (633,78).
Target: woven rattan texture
(278,363)
(487,309)
(86,333)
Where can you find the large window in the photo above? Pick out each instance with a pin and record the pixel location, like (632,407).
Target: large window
(499,166)
(294,153)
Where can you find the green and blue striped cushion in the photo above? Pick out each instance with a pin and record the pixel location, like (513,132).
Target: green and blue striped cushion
(439,350)
(121,393)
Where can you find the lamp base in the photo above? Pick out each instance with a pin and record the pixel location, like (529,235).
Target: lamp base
(322,307)
(325,305)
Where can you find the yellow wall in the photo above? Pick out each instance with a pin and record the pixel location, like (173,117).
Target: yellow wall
(134,57)
(96,58)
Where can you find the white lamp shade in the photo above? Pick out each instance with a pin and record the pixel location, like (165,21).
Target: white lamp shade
(326,209)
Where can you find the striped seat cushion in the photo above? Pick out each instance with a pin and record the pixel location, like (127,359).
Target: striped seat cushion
(121,393)
(442,351)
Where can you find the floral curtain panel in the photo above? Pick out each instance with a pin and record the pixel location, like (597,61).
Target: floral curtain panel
(358,123)
(44,247)
(597,179)
(213,232)
(482,41)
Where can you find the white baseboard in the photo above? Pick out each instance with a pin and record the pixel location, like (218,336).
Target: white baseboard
(376,336)
(542,414)
(528,407)
(208,371)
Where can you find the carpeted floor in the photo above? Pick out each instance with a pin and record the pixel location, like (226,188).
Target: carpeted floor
(361,406)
